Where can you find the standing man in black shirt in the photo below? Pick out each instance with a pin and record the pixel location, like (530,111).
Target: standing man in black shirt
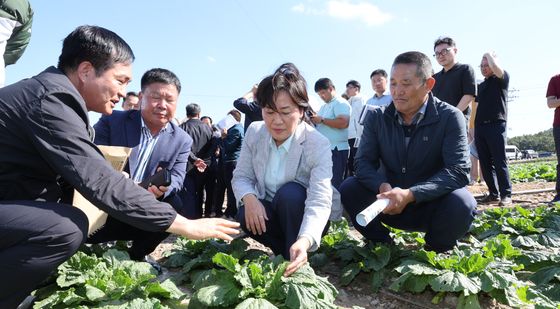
(192,194)
(490,129)
(455,83)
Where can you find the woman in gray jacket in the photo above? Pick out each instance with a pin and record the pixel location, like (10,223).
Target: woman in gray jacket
(284,170)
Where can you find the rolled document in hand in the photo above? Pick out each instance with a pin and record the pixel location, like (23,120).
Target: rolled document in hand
(368,214)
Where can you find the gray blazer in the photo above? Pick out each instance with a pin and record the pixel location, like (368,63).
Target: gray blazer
(309,163)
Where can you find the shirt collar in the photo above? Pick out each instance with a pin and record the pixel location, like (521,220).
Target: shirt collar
(455,66)
(285,145)
(145,128)
(334,98)
(417,117)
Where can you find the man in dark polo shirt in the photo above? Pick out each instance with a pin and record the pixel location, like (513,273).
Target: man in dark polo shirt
(490,129)
(192,194)
(455,83)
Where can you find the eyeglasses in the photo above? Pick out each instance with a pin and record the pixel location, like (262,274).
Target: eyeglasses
(483,66)
(443,52)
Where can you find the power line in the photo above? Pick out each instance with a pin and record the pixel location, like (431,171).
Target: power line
(512,94)
(263,33)
(533,88)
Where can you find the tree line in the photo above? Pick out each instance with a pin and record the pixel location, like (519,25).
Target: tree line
(542,141)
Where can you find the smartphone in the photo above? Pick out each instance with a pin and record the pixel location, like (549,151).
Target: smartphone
(161,178)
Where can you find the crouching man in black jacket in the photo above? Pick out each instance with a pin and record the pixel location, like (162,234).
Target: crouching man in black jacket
(414,153)
(46,148)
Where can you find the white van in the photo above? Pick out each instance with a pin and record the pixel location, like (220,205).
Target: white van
(512,152)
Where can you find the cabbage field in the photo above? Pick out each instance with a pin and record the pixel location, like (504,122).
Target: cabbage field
(511,256)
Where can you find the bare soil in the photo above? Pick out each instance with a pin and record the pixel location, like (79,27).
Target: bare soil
(359,293)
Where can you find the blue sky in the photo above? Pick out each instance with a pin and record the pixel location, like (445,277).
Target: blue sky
(220,48)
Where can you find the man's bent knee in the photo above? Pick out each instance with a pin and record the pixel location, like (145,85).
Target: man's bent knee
(71,231)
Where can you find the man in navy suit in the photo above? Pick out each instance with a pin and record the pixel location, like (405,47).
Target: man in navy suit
(156,143)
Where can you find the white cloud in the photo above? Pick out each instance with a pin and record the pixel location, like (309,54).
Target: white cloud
(210,59)
(300,8)
(365,12)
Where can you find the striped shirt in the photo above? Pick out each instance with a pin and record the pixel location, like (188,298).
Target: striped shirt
(145,149)
(409,129)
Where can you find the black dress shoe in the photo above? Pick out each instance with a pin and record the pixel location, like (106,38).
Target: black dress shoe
(489,199)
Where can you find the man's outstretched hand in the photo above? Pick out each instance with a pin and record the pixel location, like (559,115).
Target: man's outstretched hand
(204,228)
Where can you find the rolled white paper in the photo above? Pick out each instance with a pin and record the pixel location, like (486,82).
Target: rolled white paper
(368,214)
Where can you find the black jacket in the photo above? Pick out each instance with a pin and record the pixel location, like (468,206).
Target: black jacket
(436,161)
(46,140)
(201,134)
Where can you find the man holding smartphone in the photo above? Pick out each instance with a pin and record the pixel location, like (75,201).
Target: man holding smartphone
(158,147)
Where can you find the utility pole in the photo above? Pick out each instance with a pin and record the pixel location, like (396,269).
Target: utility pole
(512,94)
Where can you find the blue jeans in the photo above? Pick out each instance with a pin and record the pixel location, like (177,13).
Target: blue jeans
(444,220)
(490,141)
(339,158)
